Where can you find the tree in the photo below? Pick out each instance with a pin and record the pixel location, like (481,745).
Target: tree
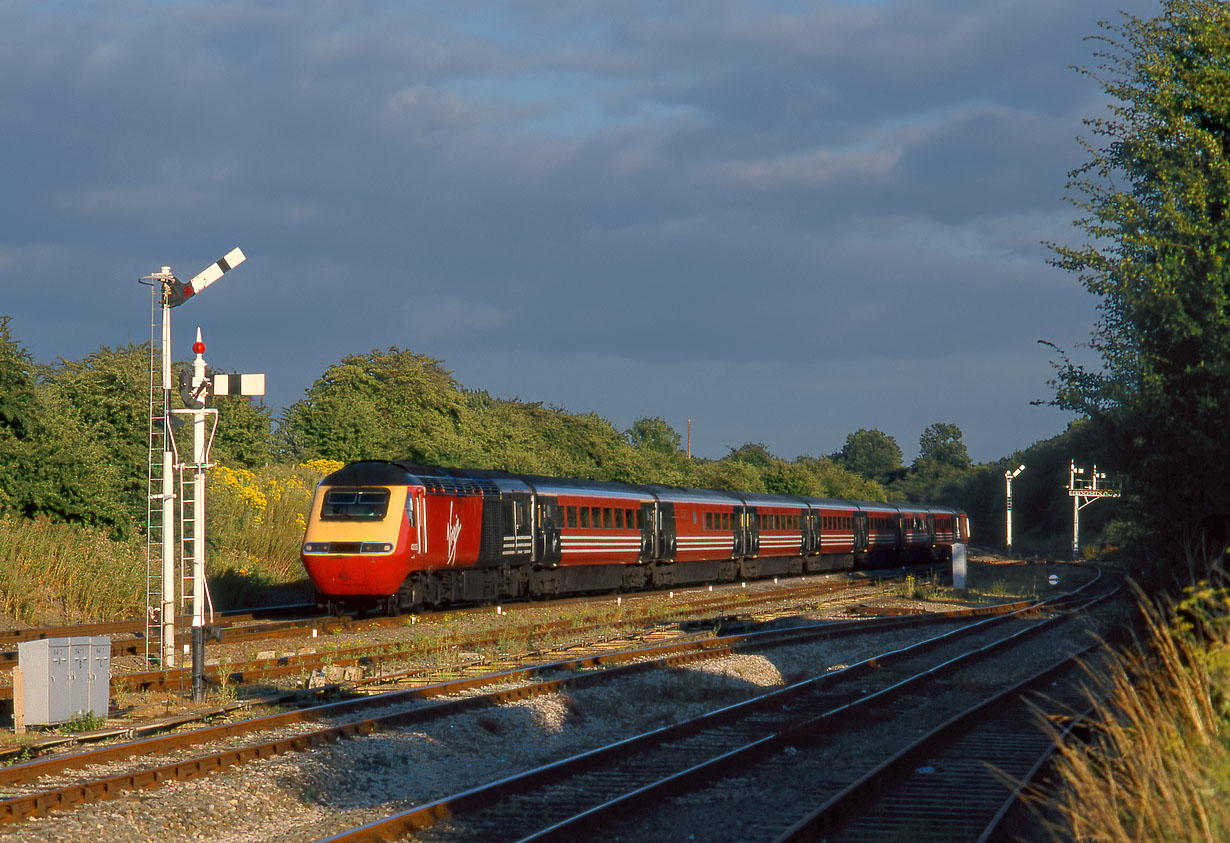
(245,431)
(654,434)
(109,393)
(870,453)
(380,405)
(18,401)
(754,454)
(942,443)
(50,462)
(1155,197)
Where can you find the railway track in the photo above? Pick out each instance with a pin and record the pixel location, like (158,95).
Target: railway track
(271,669)
(694,769)
(961,779)
(299,730)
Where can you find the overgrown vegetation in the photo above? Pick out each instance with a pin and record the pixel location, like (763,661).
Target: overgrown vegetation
(1155,200)
(53,571)
(72,452)
(1158,767)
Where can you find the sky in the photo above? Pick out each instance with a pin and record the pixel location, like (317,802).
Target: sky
(784,221)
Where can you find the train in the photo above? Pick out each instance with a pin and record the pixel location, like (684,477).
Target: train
(394,536)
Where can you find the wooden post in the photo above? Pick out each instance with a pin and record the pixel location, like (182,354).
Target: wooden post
(19,702)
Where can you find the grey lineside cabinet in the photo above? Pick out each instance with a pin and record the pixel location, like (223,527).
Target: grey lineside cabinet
(63,678)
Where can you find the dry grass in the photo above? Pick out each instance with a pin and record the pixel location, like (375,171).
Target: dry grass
(1159,767)
(53,573)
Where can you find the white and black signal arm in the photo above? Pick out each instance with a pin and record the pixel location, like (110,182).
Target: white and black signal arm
(180,292)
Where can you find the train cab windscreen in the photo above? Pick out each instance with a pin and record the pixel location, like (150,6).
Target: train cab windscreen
(364,504)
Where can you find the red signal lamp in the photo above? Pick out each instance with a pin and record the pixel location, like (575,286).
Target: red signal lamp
(198,347)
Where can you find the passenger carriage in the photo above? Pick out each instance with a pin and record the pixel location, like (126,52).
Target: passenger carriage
(400,535)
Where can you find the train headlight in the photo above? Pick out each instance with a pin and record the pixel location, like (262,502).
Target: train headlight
(316,547)
(375,547)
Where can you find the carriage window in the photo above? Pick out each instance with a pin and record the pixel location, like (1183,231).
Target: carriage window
(725,520)
(410,510)
(585,516)
(365,504)
(606,516)
(619,519)
(597,510)
(638,519)
(708,520)
(572,516)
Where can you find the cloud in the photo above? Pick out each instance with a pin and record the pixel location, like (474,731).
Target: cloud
(442,317)
(707,199)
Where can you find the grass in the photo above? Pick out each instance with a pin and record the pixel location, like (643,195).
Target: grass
(914,588)
(52,573)
(63,573)
(1159,765)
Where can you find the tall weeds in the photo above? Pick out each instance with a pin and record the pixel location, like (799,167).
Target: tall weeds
(54,572)
(1159,766)
(255,523)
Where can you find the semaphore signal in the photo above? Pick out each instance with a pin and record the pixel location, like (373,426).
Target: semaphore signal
(167,292)
(180,292)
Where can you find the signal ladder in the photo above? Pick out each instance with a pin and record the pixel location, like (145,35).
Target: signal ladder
(158,414)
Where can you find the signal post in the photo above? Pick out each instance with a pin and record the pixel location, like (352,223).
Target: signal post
(195,392)
(1084,492)
(167,292)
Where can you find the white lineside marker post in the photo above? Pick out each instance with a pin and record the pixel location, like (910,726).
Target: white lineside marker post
(958,566)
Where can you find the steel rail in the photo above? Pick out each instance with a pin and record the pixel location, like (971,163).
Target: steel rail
(797,733)
(303,663)
(531,781)
(657,655)
(999,737)
(37,804)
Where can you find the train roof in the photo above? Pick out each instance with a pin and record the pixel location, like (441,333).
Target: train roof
(493,481)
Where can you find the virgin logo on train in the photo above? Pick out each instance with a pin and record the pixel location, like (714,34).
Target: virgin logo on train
(453,532)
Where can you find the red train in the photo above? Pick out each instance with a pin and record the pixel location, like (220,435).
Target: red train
(398,536)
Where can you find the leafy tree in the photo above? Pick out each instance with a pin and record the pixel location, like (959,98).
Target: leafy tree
(728,474)
(942,443)
(654,434)
(18,401)
(108,391)
(1155,194)
(870,453)
(50,463)
(833,481)
(380,405)
(754,454)
(245,432)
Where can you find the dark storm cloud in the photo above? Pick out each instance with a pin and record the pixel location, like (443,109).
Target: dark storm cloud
(738,190)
